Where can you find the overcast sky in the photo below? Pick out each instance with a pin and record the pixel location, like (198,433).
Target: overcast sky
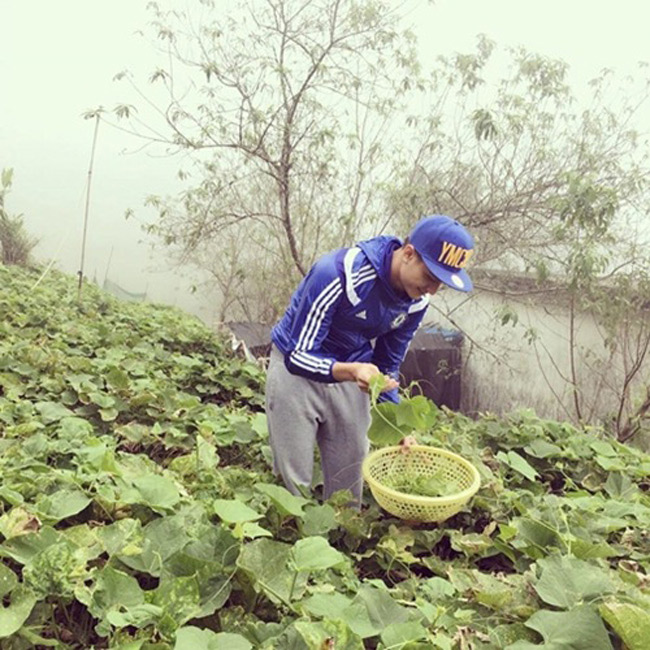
(58,59)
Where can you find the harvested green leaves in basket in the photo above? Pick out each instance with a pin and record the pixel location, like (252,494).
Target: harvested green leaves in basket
(434,485)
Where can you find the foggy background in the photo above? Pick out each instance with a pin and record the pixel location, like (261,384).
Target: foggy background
(58,60)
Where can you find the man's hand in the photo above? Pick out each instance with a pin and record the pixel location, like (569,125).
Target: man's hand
(361,373)
(366,372)
(406,443)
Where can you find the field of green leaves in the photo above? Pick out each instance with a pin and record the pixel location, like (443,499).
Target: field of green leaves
(138,510)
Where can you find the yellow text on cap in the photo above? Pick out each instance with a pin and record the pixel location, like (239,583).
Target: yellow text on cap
(455,256)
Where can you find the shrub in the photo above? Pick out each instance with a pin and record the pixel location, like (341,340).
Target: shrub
(16,244)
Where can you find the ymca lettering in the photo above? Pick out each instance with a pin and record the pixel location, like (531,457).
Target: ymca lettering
(453,255)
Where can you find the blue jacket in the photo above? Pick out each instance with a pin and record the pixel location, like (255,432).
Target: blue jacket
(345,310)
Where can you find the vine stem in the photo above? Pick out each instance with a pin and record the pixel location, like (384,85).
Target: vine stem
(293,584)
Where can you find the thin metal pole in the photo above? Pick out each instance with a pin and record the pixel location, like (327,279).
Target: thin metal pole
(83,241)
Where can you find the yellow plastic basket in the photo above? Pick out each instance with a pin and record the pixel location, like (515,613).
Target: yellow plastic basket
(425,461)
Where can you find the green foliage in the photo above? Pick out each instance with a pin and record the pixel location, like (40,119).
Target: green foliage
(390,424)
(581,629)
(629,621)
(16,244)
(137,509)
(552,186)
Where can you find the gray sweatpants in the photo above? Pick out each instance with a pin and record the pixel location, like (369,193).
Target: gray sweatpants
(301,413)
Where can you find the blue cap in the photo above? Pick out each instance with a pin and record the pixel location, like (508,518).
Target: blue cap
(445,247)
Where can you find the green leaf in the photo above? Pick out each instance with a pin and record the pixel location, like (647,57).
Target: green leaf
(518,463)
(214,543)
(318,520)
(161,538)
(603,448)
(194,638)
(372,610)
(74,428)
(586,550)
(24,548)
(398,634)
(443,641)
(207,454)
(213,583)
(318,635)
(121,535)
(611,464)
(504,635)
(158,492)
(332,605)
(117,379)
(417,414)
(18,522)
(541,448)
(620,486)
(376,386)
(114,589)
(568,581)
(8,580)
(179,598)
(384,430)
(59,569)
(260,425)
(10,496)
(251,530)
(438,588)
(315,554)
(266,562)
(579,629)
(108,414)
(234,511)
(15,614)
(62,504)
(209,560)
(497,594)
(535,537)
(285,502)
(52,411)
(103,400)
(138,616)
(118,601)
(471,543)
(630,622)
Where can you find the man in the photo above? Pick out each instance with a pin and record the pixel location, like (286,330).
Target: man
(351,318)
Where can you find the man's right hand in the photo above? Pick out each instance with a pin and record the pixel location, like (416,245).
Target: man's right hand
(361,373)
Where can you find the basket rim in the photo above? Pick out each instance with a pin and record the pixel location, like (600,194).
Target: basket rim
(465,495)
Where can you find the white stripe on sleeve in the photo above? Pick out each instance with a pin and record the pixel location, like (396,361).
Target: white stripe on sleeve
(348,262)
(317,313)
(311,363)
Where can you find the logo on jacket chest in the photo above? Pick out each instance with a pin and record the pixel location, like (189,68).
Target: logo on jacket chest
(398,320)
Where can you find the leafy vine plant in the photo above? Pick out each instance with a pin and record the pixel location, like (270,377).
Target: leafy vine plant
(376,387)
(394,423)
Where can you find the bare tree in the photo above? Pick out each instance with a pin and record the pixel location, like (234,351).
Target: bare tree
(289,107)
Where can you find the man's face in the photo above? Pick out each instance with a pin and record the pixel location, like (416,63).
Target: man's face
(416,279)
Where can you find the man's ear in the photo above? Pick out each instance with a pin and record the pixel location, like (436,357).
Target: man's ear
(409,252)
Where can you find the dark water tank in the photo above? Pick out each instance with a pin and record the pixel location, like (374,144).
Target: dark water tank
(434,361)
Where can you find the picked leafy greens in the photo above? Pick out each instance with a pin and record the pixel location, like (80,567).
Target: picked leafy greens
(434,485)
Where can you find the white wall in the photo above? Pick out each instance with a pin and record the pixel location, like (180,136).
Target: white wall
(504,372)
